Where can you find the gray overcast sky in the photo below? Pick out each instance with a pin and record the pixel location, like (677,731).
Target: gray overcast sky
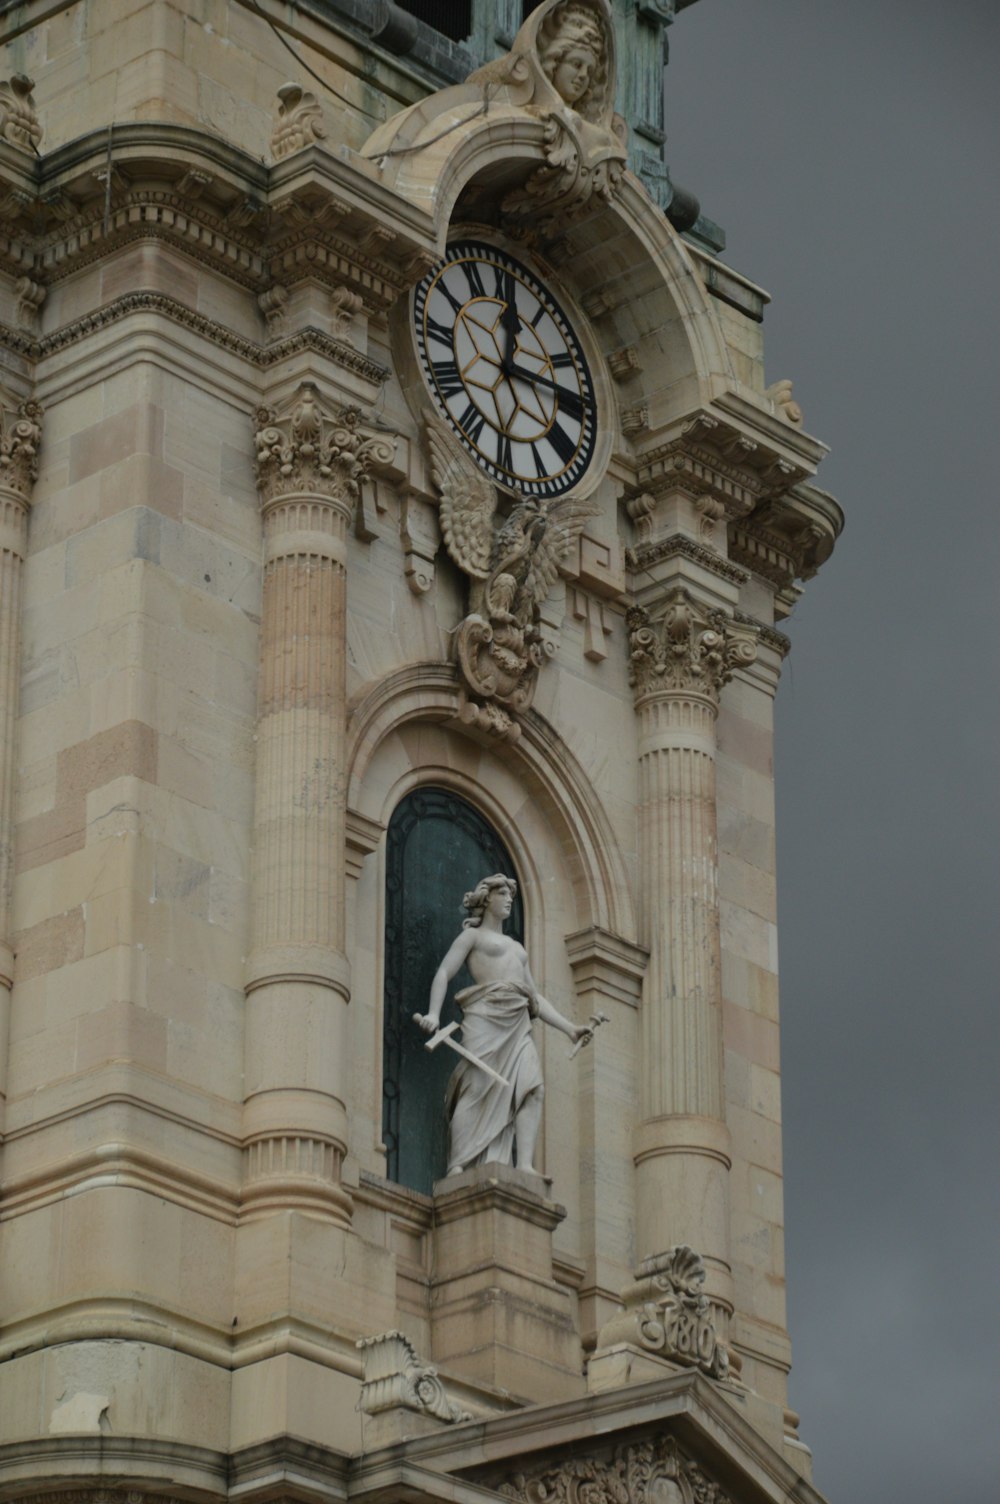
(852,153)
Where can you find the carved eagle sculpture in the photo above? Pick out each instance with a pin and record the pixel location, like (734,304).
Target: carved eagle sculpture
(525,548)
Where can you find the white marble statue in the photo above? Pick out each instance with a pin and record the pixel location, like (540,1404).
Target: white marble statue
(489,1110)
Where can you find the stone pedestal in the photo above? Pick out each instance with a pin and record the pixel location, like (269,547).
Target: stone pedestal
(499,1317)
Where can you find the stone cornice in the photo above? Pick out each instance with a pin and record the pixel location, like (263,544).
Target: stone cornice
(768,636)
(738,459)
(648,554)
(787,537)
(317,213)
(338,351)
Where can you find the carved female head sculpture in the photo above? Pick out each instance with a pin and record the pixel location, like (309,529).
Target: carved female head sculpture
(478,901)
(573,56)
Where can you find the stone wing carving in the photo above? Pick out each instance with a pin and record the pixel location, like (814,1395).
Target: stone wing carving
(468,505)
(564,522)
(511,563)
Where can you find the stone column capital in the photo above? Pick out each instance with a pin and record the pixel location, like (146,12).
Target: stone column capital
(684,648)
(309,447)
(20,439)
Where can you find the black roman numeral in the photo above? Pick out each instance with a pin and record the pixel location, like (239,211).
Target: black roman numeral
(474,278)
(442,287)
(471,422)
(561,442)
(438,331)
(540,469)
(505,458)
(448,378)
(562,361)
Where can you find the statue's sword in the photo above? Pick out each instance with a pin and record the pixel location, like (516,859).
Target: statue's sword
(443,1036)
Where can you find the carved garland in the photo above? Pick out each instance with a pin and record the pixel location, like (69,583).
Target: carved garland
(647,1472)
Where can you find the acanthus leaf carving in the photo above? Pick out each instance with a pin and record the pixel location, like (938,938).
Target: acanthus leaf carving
(393,1377)
(567,187)
(304,448)
(686,648)
(512,563)
(20,438)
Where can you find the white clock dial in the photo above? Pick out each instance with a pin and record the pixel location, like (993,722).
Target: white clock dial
(505,369)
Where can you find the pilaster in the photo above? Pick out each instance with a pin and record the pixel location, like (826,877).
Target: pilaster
(311,459)
(20,436)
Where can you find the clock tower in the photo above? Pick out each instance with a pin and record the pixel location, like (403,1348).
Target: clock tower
(393,498)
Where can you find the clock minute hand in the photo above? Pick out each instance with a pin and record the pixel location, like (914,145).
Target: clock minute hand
(569,401)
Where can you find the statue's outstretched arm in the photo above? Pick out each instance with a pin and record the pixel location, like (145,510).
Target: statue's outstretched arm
(551,1015)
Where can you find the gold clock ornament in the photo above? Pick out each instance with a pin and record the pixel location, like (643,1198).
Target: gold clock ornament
(506,370)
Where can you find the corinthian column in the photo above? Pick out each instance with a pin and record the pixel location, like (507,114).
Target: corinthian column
(20,436)
(681,656)
(310,463)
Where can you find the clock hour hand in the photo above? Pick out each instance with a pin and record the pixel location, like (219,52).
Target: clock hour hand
(571,403)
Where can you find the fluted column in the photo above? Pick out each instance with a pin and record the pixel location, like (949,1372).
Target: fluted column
(681,655)
(20,436)
(310,463)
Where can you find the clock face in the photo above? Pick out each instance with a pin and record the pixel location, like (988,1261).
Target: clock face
(505,369)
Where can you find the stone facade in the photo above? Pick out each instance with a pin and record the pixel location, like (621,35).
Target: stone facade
(227,624)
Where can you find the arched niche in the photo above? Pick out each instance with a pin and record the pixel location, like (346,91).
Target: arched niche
(404,735)
(438,847)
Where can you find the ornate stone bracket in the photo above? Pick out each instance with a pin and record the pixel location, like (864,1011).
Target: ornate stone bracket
(19,122)
(668,1313)
(394,1378)
(688,648)
(299,122)
(645,1472)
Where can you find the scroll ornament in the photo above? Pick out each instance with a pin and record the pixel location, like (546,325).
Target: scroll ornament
(304,449)
(394,1378)
(646,1472)
(19,122)
(20,437)
(299,122)
(512,562)
(668,1313)
(688,648)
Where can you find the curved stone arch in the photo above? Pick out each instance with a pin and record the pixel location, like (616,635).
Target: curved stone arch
(546,769)
(650,254)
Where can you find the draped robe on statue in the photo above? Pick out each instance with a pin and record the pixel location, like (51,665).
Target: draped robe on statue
(496,1026)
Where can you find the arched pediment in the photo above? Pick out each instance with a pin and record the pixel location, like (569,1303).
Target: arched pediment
(545,768)
(507,150)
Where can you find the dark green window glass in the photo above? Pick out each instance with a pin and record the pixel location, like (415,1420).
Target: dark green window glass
(438,848)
